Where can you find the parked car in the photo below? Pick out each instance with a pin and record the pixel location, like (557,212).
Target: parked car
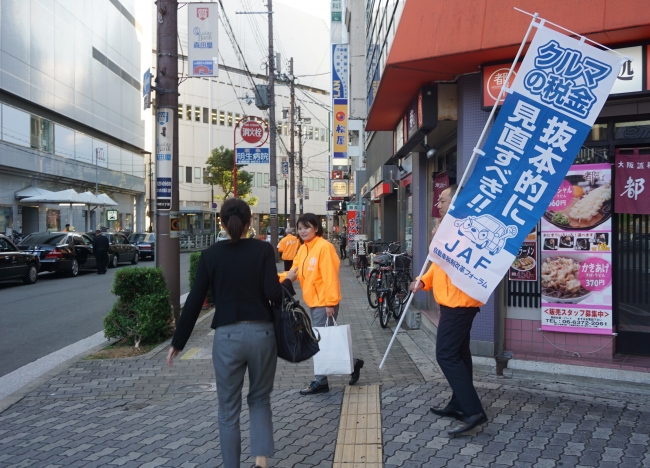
(120,249)
(222,236)
(145,242)
(16,264)
(61,252)
(280,234)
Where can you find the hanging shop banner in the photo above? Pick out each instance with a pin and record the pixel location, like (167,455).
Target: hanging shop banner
(202,23)
(355,222)
(252,146)
(284,168)
(561,86)
(632,176)
(576,263)
(340,96)
(440,183)
(524,266)
(164,167)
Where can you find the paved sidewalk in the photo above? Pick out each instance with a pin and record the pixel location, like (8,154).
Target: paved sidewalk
(139,413)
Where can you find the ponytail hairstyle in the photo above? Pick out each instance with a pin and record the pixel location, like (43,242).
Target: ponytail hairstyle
(235,215)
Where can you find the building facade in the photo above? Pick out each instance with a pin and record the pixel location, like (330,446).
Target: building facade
(70,97)
(430,96)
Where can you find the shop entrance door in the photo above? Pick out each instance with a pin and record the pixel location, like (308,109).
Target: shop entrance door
(632,281)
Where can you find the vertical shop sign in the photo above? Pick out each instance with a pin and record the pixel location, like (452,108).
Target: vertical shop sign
(202,24)
(340,96)
(336,11)
(554,100)
(355,220)
(632,184)
(524,266)
(440,183)
(576,263)
(164,146)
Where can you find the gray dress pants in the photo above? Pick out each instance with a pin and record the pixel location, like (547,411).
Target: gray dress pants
(237,347)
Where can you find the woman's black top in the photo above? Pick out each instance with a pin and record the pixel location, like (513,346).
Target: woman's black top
(243,279)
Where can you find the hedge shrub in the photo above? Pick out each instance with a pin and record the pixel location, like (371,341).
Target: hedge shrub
(143,310)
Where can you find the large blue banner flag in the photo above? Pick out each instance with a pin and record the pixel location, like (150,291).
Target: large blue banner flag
(559,91)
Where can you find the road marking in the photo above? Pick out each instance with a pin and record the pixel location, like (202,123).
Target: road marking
(190,353)
(358,443)
(17,379)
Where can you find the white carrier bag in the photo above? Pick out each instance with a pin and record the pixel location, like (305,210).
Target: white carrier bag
(335,355)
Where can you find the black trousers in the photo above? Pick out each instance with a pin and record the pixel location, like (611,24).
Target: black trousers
(287,264)
(102,262)
(342,249)
(455,359)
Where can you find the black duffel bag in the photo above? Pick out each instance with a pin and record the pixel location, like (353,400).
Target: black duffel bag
(294,334)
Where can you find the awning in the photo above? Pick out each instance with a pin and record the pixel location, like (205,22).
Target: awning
(106,200)
(64,196)
(31,192)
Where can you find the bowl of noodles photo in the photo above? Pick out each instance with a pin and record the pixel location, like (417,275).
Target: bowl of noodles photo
(560,280)
(590,205)
(523,263)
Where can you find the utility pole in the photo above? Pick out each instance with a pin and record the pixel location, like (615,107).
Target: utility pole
(150,195)
(302,199)
(292,159)
(273,129)
(168,249)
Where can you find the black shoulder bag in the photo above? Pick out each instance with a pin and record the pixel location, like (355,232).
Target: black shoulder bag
(294,334)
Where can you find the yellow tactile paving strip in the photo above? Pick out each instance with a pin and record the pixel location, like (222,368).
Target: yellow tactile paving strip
(190,353)
(358,444)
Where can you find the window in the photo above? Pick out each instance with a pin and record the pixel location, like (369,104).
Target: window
(280,184)
(222,118)
(310,132)
(311,183)
(316,131)
(197,175)
(237,118)
(214,116)
(266,178)
(188,174)
(322,135)
(230,119)
(180,111)
(206,115)
(197,114)
(322,185)
(181,177)
(631,130)
(286,129)
(252,179)
(188,112)
(259,179)
(40,134)
(64,141)
(15,126)
(84,149)
(205,176)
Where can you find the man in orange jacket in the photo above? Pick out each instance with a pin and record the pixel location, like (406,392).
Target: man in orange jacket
(288,246)
(457,312)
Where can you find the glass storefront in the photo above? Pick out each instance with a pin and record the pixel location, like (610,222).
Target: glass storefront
(52,220)
(5,219)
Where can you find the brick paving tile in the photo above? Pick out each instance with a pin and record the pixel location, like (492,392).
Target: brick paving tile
(138,412)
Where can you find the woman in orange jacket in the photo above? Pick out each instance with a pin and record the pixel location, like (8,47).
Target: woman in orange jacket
(318,273)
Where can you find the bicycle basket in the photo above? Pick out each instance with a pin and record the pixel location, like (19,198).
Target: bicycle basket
(383,259)
(403,263)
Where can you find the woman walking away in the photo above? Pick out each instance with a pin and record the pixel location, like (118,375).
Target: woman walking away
(243,322)
(318,271)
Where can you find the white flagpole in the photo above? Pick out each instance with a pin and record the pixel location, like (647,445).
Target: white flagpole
(468,170)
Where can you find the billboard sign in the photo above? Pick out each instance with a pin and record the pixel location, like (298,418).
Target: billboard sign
(202,24)
(340,96)
(164,168)
(252,147)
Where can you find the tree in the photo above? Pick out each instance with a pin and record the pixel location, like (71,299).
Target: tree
(220,164)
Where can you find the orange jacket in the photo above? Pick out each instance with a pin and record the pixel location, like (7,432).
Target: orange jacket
(289,246)
(445,293)
(318,273)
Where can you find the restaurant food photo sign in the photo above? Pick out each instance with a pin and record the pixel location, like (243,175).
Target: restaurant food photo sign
(576,260)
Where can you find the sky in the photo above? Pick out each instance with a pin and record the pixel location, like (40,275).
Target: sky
(319,8)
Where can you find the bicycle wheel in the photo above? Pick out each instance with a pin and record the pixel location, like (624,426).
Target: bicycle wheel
(402,294)
(373,299)
(384,309)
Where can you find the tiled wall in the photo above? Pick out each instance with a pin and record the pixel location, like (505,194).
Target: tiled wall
(471,120)
(523,338)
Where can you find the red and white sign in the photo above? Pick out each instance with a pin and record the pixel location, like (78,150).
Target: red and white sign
(494,77)
(252,131)
(202,13)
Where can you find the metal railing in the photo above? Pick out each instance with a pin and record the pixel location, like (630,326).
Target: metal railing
(198,242)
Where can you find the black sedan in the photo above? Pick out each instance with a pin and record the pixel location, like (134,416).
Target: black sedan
(16,264)
(120,249)
(145,242)
(61,252)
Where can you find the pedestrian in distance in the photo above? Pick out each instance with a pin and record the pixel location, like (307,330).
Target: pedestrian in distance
(457,312)
(100,248)
(343,243)
(66,228)
(243,278)
(318,272)
(288,246)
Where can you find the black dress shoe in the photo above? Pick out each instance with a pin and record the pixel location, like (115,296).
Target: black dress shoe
(449,413)
(314,388)
(357,371)
(470,423)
